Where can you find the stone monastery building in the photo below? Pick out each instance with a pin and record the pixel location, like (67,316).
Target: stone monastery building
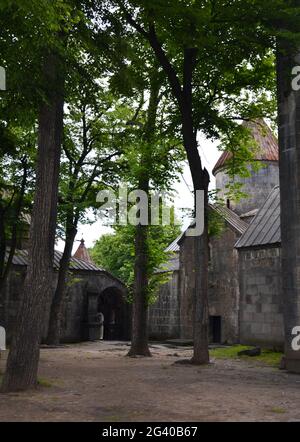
(244,268)
(244,273)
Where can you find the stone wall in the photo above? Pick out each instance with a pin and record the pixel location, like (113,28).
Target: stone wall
(186,286)
(164,320)
(257,186)
(223,295)
(261,320)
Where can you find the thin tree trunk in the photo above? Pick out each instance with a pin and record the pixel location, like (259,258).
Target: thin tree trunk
(23,359)
(289,147)
(54,331)
(2,243)
(14,234)
(2,262)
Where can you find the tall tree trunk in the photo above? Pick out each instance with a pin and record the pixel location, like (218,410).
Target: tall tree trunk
(183,93)
(54,331)
(23,359)
(139,342)
(289,147)
(200,179)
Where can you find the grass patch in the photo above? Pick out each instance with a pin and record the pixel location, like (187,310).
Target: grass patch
(44,383)
(278,410)
(268,357)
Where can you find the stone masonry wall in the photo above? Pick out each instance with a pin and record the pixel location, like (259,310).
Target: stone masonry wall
(223,295)
(186,286)
(261,320)
(164,320)
(257,186)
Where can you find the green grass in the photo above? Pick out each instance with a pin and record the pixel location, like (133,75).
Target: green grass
(268,357)
(44,383)
(278,410)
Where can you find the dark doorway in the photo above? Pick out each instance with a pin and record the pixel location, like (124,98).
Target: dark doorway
(115,312)
(215,327)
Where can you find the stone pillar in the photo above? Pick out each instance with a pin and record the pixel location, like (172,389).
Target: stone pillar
(289,145)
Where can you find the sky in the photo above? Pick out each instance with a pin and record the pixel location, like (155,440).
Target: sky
(209,154)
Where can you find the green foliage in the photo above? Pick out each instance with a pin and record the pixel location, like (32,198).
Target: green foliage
(216,224)
(116,253)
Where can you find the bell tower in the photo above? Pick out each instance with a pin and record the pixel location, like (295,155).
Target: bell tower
(259,183)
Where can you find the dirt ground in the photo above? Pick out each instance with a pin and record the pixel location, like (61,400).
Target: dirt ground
(96,382)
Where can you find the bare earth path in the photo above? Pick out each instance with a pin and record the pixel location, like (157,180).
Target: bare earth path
(96,382)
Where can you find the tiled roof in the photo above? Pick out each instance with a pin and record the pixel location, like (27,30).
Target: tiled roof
(265,227)
(265,139)
(21,259)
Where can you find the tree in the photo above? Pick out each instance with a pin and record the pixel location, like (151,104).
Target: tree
(153,149)
(289,145)
(52,24)
(115,253)
(89,163)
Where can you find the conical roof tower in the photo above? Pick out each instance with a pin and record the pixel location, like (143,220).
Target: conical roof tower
(260,182)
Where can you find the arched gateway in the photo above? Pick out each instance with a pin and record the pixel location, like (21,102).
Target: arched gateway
(108,311)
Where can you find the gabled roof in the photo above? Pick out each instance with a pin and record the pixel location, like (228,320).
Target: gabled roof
(265,227)
(265,139)
(21,259)
(231,218)
(228,215)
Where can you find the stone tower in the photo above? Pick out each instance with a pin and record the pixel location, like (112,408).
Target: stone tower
(260,182)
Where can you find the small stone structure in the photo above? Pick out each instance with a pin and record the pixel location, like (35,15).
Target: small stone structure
(91,291)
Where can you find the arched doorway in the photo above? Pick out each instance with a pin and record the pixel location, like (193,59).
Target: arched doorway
(115,311)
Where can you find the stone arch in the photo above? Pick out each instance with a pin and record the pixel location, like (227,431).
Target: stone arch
(107,296)
(115,312)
